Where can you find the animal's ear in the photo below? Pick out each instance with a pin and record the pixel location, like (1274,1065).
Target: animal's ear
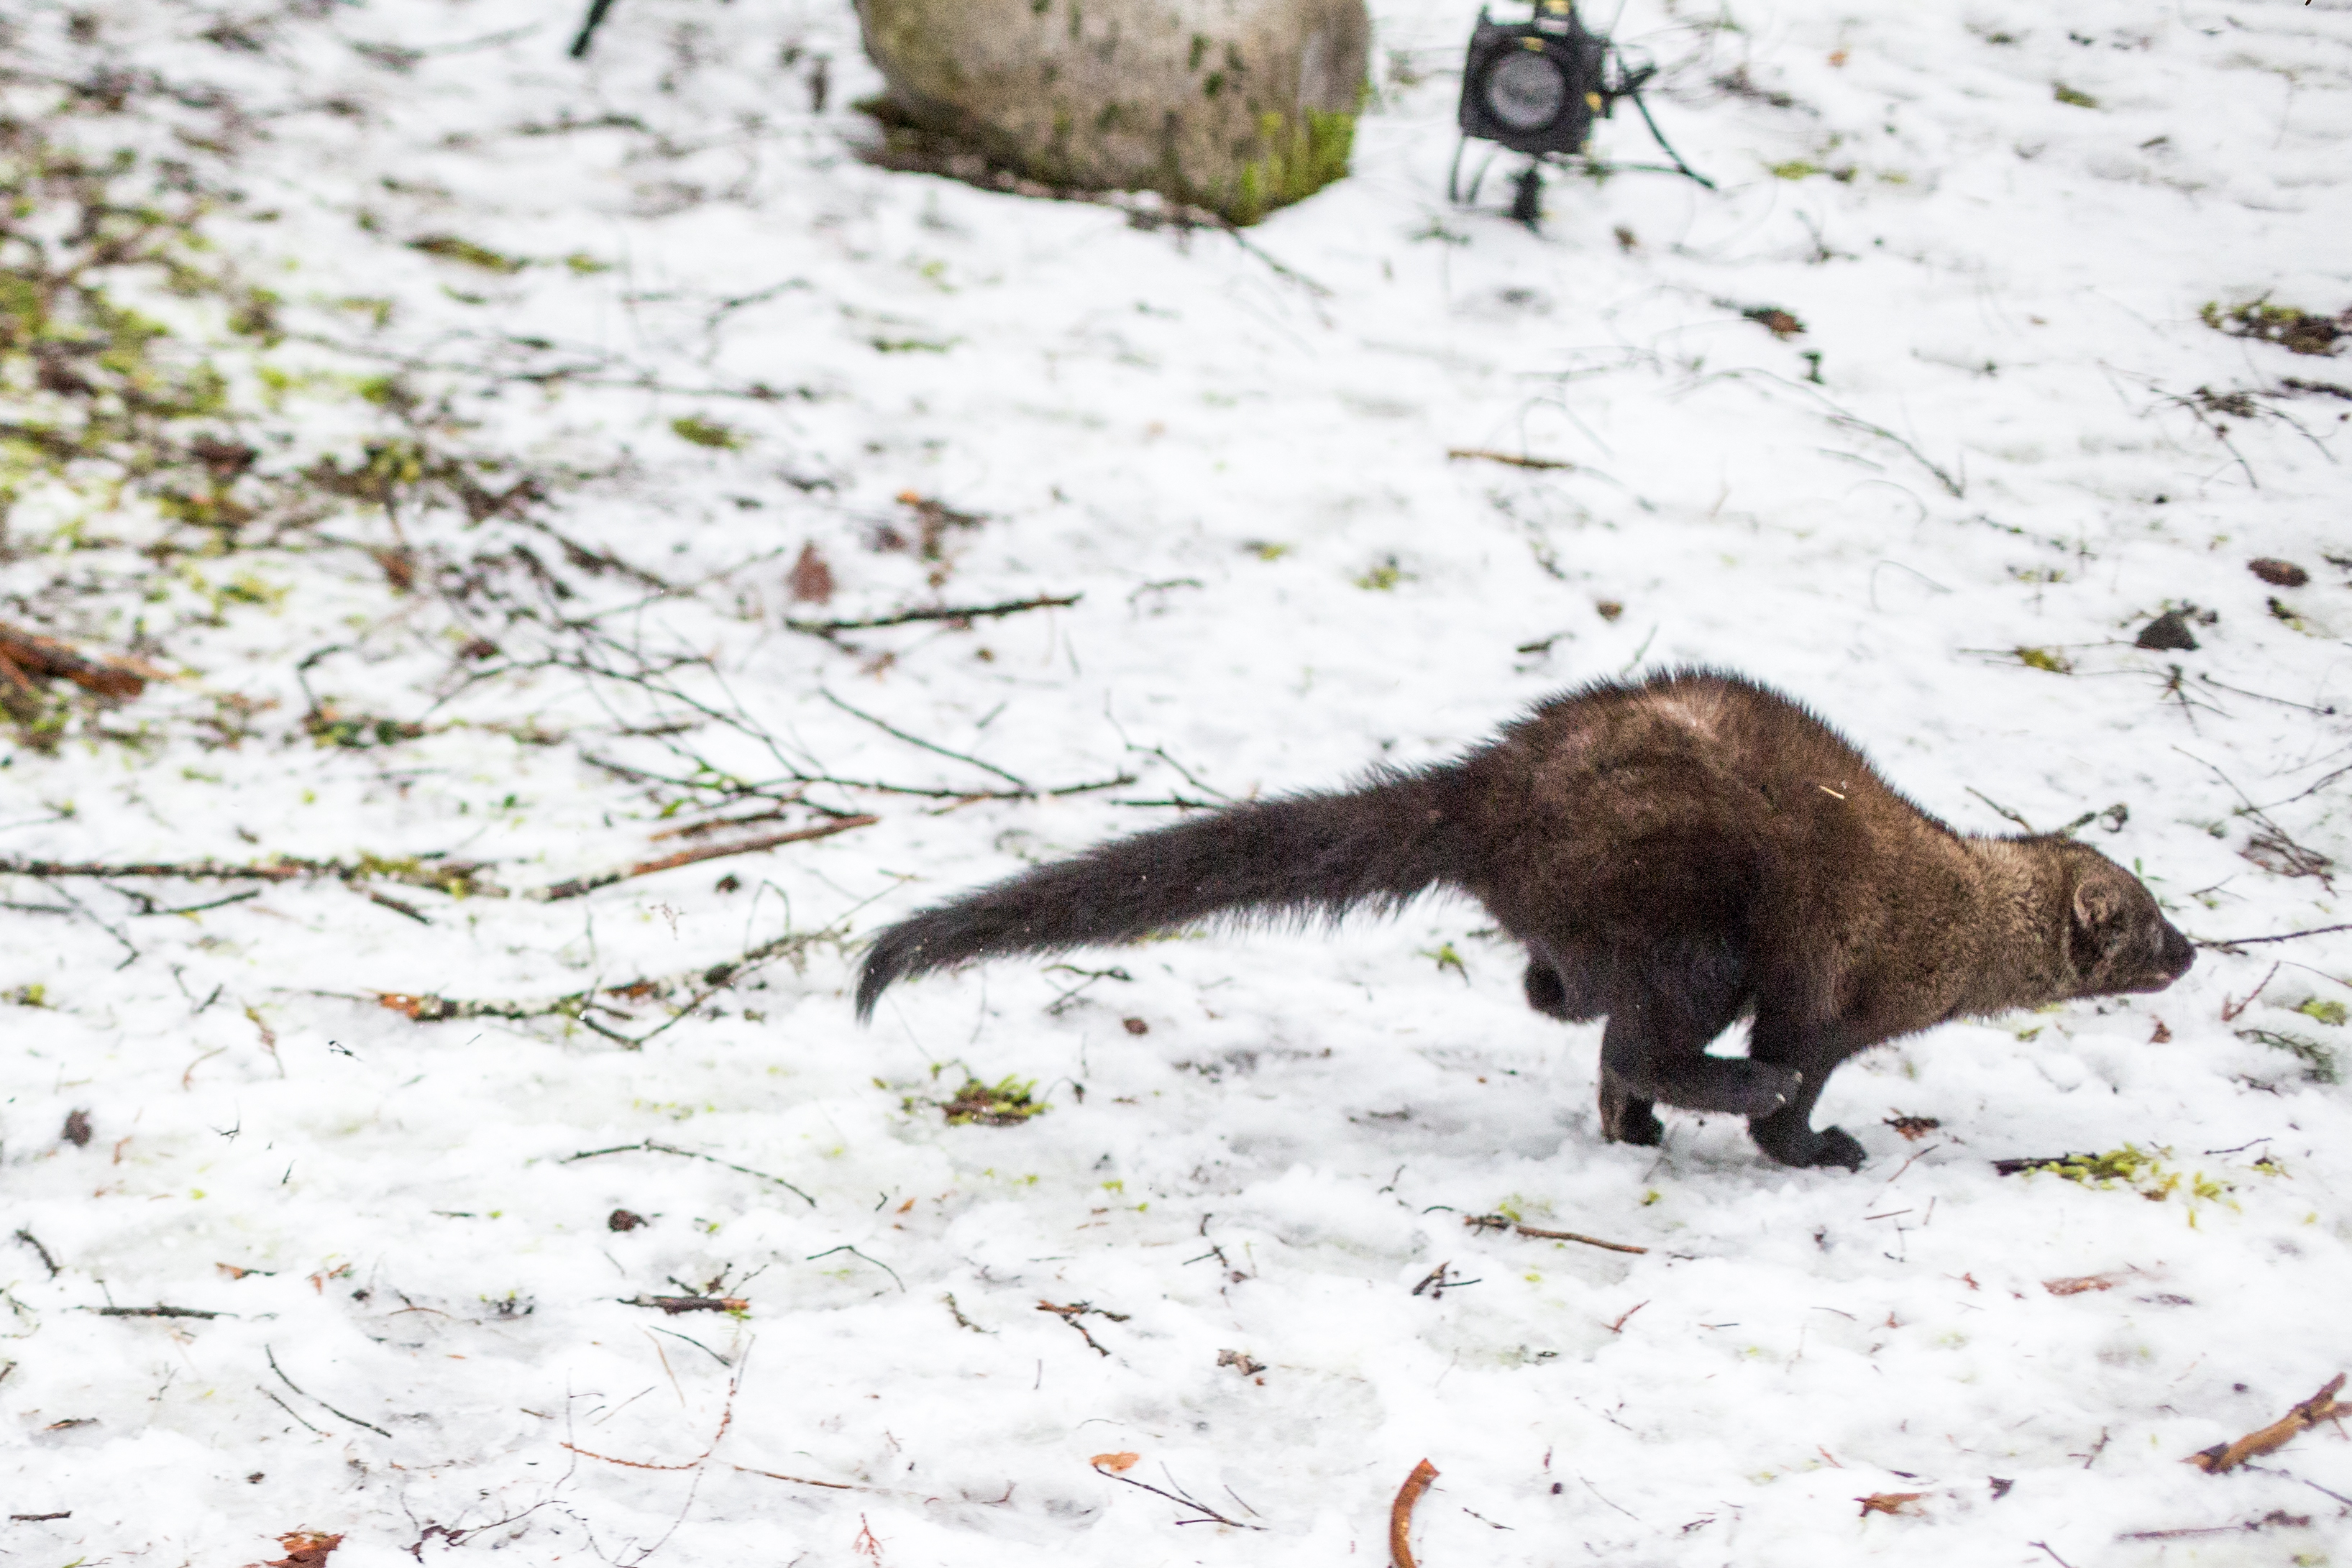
(2095,904)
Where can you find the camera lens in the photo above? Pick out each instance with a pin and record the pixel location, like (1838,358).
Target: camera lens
(1525,90)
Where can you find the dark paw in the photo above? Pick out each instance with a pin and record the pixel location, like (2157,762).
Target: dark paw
(1830,1146)
(1633,1122)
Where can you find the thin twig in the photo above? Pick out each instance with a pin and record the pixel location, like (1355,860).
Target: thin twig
(578,885)
(1214,1517)
(916,740)
(157,1312)
(2231,1010)
(803,1480)
(2244,1526)
(962,1322)
(650,1146)
(314,1399)
(273,1399)
(29,1239)
(853,1252)
(2000,809)
(1462,453)
(1498,1221)
(726,1418)
(2225,944)
(952,612)
(1070,1315)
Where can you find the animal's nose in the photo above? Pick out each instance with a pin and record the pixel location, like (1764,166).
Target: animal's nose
(2179,952)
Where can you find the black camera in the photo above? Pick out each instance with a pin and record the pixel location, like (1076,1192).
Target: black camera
(1536,86)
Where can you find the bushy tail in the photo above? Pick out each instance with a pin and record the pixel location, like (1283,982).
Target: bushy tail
(1292,857)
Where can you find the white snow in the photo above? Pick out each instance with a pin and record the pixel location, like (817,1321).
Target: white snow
(1237,455)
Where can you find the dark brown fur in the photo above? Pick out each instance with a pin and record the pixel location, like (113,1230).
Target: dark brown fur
(1675,856)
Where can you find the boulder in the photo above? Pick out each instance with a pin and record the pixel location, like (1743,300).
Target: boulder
(1238,106)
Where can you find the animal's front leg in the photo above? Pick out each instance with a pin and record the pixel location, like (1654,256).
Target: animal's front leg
(1788,1135)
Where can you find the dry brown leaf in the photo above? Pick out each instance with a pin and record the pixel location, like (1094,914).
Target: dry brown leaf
(1114,1462)
(2278,573)
(305,1549)
(2075,1287)
(811,579)
(1890,1502)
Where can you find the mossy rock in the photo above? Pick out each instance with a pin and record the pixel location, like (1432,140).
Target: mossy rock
(1238,106)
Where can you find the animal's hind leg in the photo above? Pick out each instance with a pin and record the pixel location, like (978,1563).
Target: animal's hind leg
(1655,1049)
(1625,1117)
(1560,988)
(1545,994)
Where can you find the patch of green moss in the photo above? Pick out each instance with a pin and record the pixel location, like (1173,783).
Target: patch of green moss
(2298,331)
(706,433)
(465,252)
(1301,156)
(1007,1102)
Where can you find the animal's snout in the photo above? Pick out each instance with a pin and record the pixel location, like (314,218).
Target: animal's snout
(2179,952)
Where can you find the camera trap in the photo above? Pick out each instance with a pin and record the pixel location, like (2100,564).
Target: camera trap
(1535,86)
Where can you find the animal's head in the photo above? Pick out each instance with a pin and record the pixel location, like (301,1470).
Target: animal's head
(2118,940)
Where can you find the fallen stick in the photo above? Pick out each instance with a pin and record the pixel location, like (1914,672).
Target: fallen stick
(1460,453)
(2320,1406)
(1500,1221)
(954,612)
(2020,1167)
(425,1006)
(25,657)
(672,1305)
(2277,1516)
(154,1312)
(578,885)
(1400,1514)
(454,874)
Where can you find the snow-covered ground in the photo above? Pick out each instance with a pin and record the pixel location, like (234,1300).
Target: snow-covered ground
(2004,441)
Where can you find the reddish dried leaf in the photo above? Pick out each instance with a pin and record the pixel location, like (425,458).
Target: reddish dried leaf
(1890,1502)
(811,579)
(305,1549)
(1114,1462)
(2278,573)
(2076,1286)
(399,567)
